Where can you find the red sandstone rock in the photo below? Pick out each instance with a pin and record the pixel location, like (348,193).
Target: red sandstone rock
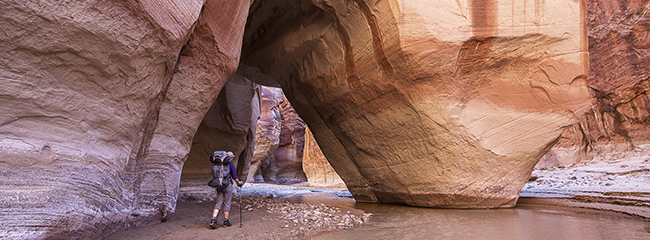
(318,170)
(619,57)
(427,103)
(285,165)
(229,125)
(100,102)
(267,134)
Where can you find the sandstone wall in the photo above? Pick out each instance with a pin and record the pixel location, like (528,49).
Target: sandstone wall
(229,125)
(318,170)
(619,60)
(267,133)
(427,103)
(284,166)
(100,102)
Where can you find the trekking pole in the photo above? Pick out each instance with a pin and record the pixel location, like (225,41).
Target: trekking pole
(240,193)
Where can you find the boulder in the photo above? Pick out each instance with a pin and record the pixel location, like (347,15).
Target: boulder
(267,133)
(427,103)
(318,170)
(619,58)
(100,102)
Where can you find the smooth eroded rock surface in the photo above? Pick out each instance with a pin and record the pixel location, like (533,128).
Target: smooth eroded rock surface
(100,102)
(267,133)
(427,103)
(285,164)
(318,170)
(229,125)
(619,59)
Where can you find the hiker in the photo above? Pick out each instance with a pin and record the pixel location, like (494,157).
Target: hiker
(223,171)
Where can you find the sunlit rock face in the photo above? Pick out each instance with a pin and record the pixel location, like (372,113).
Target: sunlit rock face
(318,170)
(427,103)
(267,133)
(619,59)
(284,166)
(100,102)
(229,125)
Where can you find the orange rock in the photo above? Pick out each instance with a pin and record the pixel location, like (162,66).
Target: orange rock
(619,59)
(100,101)
(267,133)
(427,103)
(285,164)
(318,170)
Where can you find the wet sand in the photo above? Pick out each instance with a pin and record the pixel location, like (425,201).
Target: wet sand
(268,214)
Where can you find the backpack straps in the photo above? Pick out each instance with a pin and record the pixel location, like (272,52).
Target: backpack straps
(221,174)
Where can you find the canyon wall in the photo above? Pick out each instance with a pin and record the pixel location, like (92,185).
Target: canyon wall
(619,75)
(284,166)
(229,125)
(318,170)
(279,141)
(100,102)
(427,103)
(267,133)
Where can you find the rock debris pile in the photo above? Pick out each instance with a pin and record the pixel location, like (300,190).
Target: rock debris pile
(621,182)
(613,175)
(306,217)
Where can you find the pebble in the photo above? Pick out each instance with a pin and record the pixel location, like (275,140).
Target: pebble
(306,217)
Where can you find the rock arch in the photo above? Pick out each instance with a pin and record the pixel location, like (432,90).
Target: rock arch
(413,102)
(445,104)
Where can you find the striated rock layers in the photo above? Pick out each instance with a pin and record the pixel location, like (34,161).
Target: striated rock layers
(100,102)
(318,170)
(619,79)
(427,103)
(279,141)
(284,166)
(267,133)
(229,125)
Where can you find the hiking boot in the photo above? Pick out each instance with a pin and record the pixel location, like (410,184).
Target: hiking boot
(227,223)
(213,224)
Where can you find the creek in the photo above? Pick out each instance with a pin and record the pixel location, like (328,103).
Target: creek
(526,221)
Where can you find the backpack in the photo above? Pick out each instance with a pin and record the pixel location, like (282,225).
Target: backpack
(218,157)
(221,176)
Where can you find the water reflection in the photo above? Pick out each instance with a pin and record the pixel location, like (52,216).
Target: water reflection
(526,221)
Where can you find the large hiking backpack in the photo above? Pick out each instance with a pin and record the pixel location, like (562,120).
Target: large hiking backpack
(219,157)
(221,176)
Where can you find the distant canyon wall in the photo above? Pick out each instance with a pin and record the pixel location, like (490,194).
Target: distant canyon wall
(618,124)
(285,150)
(318,170)
(280,140)
(267,132)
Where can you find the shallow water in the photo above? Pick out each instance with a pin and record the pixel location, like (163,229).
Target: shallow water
(526,221)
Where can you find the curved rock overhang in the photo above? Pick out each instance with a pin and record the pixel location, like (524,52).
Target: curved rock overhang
(100,102)
(427,103)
